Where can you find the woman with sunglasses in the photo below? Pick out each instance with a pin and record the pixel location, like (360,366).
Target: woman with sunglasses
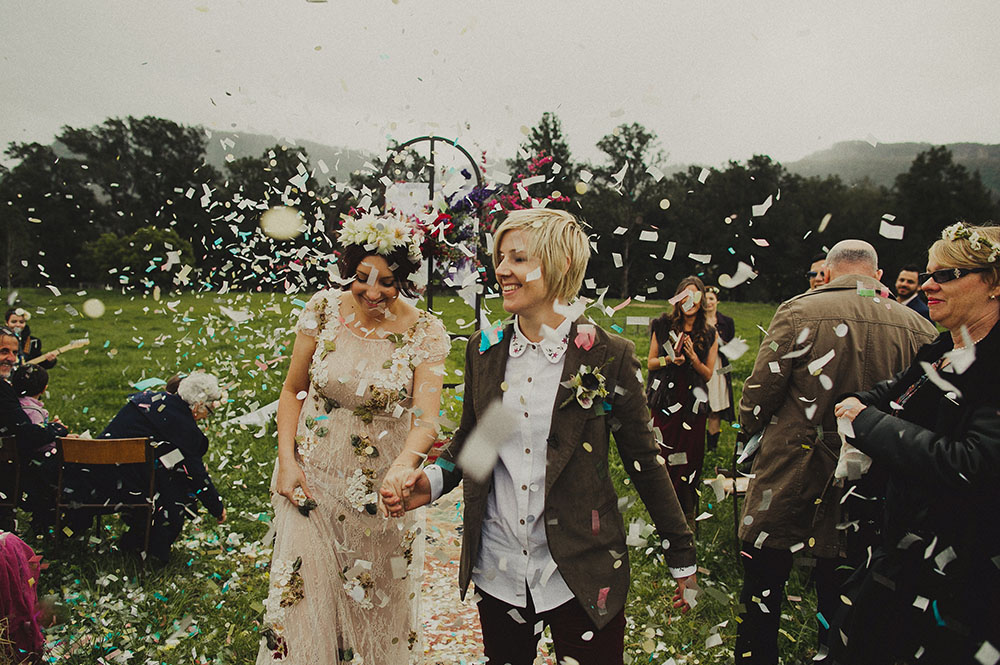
(931,590)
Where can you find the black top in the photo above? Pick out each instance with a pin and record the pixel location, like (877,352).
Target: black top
(15,422)
(167,420)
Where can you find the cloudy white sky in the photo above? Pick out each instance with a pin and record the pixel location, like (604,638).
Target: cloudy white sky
(716,80)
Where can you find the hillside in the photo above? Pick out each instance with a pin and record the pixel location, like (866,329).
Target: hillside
(854,161)
(341,161)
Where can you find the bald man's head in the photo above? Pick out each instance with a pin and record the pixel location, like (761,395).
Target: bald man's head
(852,257)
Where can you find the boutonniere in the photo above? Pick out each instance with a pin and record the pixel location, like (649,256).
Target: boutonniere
(587,384)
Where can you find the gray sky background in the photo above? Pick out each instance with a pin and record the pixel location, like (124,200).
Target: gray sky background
(716,80)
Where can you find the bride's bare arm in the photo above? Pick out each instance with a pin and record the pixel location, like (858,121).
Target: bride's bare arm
(290,474)
(427,382)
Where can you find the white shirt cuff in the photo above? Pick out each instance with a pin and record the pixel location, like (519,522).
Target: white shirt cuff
(436,481)
(677,573)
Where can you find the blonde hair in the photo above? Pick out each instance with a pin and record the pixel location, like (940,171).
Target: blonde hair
(556,239)
(964,246)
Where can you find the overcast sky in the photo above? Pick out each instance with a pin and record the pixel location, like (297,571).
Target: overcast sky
(715,80)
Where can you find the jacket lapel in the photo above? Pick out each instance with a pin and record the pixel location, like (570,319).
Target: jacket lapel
(568,421)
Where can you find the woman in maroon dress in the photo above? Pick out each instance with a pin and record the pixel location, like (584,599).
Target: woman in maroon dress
(682,352)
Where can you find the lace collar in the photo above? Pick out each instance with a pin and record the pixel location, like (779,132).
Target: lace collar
(553,347)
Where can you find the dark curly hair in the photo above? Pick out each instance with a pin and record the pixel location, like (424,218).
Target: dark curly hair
(29,380)
(702,334)
(399,261)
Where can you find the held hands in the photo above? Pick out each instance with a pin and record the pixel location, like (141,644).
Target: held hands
(849,408)
(392,486)
(414,492)
(690,584)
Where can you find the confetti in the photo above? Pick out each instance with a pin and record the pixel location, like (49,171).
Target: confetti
(282,223)
(93,308)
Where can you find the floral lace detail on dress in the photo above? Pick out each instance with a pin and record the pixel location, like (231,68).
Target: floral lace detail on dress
(425,341)
(286,589)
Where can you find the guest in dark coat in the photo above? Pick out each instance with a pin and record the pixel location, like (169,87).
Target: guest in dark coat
(932,590)
(720,386)
(37,468)
(181,479)
(908,291)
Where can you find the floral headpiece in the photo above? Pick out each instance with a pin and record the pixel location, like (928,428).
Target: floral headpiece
(959,230)
(382,235)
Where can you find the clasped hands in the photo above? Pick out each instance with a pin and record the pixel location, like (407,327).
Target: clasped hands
(403,488)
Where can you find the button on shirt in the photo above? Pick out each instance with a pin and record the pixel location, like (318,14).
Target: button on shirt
(514,552)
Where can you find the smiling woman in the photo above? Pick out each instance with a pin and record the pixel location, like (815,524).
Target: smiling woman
(935,431)
(542,407)
(357,410)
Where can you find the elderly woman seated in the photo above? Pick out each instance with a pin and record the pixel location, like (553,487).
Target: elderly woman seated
(170,421)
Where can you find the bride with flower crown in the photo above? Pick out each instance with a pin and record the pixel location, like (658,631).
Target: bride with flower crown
(357,411)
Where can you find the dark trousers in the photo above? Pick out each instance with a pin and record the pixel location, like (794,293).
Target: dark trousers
(765,572)
(509,642)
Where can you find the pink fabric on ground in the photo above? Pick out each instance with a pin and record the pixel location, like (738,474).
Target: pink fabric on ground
(18,600)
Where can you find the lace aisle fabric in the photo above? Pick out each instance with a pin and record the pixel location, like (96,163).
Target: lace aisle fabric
(345,582)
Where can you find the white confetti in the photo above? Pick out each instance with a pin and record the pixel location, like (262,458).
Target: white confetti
(890,231)
(93,308)
(282,223)
(760,209)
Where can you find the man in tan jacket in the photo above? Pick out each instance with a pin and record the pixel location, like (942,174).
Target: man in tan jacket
(843,336)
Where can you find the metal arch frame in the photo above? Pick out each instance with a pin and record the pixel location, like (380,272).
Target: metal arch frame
(430,197)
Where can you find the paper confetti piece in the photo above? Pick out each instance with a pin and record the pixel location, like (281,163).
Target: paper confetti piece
(93,308)
(282,223)
(890,231)
(480,452)
(987,654)
(761,209)
(819,363)
(172,458)
(669,253)
(648,236)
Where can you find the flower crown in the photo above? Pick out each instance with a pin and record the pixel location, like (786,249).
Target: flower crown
(959,230)
(382,235)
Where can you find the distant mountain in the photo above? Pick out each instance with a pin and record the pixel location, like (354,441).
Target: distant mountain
(341,161)
(854,161)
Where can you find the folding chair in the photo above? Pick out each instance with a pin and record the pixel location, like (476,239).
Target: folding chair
(10,476)
(106,452)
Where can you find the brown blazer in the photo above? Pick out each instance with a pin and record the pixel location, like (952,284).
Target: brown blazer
(577,482)
(800,446)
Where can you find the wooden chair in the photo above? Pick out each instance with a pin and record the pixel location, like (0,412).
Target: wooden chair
(106,452)
(10,475)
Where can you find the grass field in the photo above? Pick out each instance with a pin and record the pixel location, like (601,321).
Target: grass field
(205,606)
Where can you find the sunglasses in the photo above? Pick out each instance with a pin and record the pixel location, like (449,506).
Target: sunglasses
(947,274)
(811,274)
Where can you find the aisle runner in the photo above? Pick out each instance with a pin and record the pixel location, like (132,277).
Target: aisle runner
(452,635)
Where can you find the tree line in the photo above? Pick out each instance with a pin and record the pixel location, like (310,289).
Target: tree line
(132,202)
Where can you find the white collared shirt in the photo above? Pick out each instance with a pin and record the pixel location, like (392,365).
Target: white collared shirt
(514,552)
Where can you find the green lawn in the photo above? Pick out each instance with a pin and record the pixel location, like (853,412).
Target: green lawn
(205,606)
